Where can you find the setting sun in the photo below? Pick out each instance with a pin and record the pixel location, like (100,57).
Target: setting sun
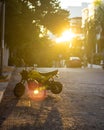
(66,36)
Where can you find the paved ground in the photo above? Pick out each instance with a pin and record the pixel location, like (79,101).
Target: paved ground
(8,71)
(4,82)
(79,107)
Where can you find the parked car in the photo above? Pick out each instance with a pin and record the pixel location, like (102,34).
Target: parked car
(74,62)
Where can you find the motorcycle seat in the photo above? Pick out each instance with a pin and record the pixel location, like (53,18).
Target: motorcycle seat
(49,73)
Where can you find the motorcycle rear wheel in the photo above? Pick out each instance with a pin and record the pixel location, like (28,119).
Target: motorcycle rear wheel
(56,87)
(19,90)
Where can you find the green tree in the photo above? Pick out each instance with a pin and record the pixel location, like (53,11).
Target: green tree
(25,20)
(93,26)
(90,39)
(99,17)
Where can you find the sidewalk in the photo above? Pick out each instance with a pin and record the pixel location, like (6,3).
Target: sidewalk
(94,66)
(3,83)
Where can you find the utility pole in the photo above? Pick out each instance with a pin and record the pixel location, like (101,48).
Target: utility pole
(2,35)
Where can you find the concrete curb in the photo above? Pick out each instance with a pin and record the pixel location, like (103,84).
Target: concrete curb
(3,85)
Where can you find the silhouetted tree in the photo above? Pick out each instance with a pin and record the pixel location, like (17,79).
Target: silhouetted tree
(27,23)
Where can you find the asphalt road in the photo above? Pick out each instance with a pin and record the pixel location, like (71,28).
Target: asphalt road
(80,106)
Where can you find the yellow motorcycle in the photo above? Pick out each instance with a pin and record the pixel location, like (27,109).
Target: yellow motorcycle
(36,84)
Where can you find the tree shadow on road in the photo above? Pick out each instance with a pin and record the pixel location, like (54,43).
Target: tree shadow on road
(46,117)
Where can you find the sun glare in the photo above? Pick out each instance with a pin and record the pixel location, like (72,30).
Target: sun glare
(66,36)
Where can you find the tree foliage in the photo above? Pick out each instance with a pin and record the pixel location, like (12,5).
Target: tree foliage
(99,18)
(95,25)
(25,21)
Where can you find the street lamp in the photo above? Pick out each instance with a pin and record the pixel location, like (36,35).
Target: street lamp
(2,34)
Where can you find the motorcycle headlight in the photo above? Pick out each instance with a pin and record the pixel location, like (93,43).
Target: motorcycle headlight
(36,91)
(38,94)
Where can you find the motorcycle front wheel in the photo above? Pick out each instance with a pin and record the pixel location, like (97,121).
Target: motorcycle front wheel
(19,90)
(56,87)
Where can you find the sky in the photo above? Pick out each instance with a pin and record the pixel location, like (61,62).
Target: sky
(66,3)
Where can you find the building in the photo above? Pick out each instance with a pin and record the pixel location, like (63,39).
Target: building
(76,43)
(75,25)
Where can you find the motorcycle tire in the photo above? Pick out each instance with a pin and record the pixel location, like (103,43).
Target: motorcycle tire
(56,87)
(19,90)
